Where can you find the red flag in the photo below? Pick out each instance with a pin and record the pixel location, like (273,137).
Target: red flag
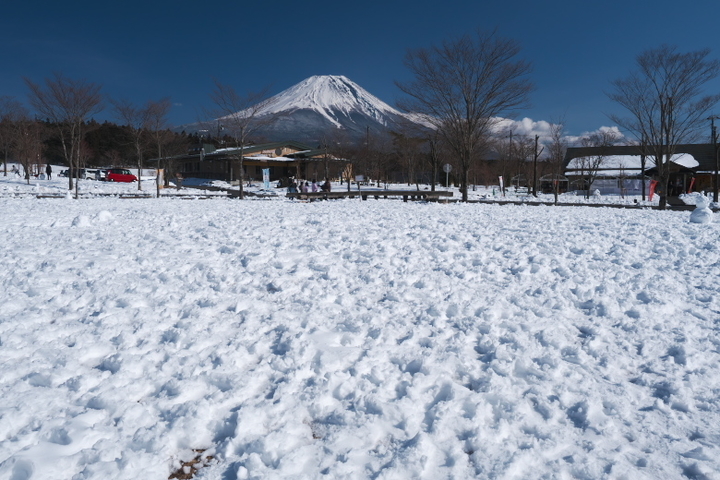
(653,184)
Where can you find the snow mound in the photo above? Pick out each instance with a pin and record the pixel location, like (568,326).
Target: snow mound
(81,221)
(701,214)
(104,216)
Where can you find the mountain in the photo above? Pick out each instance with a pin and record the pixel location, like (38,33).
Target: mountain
(326,106)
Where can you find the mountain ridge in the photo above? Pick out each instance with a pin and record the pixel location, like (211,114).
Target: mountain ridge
(324,106)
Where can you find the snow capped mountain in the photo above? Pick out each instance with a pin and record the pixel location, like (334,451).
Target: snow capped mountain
(325,106)
(335,97)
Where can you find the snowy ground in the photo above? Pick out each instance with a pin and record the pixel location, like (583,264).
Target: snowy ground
(14,185)
(354,339)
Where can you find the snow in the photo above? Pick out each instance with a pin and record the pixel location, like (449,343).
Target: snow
(623,163)
(702,212)
(329,95)
(352,339)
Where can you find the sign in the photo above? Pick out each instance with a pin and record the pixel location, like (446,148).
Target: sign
(359,178)
(447,168)
(266,178)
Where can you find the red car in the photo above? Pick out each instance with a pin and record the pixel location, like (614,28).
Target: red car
(120,175)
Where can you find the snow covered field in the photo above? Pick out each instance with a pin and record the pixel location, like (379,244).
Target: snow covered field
(352,339)
(17,186)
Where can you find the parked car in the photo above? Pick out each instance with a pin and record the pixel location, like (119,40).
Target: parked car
(71,172)
(120,175)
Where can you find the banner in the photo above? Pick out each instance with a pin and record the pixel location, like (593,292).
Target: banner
(653,185)
(266,178)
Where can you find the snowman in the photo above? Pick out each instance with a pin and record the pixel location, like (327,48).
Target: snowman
(701,214)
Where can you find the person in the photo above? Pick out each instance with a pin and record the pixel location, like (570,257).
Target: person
(304,187)
(292,186)
(15,170)
(48,171)
(326,186)
(314,186)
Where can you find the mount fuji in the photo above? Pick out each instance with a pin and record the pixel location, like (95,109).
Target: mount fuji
(327,106)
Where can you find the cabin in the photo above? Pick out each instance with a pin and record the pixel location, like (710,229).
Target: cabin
(283,159)
(624,169)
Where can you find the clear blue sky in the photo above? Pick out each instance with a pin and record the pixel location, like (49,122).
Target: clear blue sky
(151,49)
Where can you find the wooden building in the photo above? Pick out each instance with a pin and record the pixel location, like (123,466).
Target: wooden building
(683,177)
(283,159)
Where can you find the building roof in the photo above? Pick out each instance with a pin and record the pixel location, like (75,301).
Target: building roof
(248,150)
(703,155)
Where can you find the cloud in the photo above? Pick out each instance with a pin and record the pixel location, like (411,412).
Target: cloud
(529,128)
(621,140)
(526,126)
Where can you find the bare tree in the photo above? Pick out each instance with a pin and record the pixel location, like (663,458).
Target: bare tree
(556,154)
(11,111)
(523,149)
(68,104)
(433,157)
(503,144)
(157,124)
(408,152)
(136,119)
(665,103)
(343,148)
(28,145)
(241,116)
(462,86)
(590,166)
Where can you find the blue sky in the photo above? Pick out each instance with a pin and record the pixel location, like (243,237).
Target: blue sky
(152,49)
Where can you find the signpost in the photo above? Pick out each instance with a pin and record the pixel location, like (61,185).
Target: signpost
(447,168)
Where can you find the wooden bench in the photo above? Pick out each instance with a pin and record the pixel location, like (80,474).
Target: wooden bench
(426,195)
(324,195)
(406,195)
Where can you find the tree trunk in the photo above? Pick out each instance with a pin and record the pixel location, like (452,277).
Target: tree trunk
(241,175)
(464,181)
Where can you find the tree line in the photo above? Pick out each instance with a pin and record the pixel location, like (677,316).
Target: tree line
(460,89)
(61,129)
(463,87)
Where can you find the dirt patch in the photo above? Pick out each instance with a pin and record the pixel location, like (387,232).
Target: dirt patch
(188,469)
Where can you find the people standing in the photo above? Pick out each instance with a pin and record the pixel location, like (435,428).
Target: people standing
(314,186)
(48,171)
(292,186)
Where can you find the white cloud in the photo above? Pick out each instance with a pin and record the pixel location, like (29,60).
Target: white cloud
(529,127)
(526,126)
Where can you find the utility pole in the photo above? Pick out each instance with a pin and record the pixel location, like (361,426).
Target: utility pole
(535,159)
(327,165)
(716,179)
(510,156)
